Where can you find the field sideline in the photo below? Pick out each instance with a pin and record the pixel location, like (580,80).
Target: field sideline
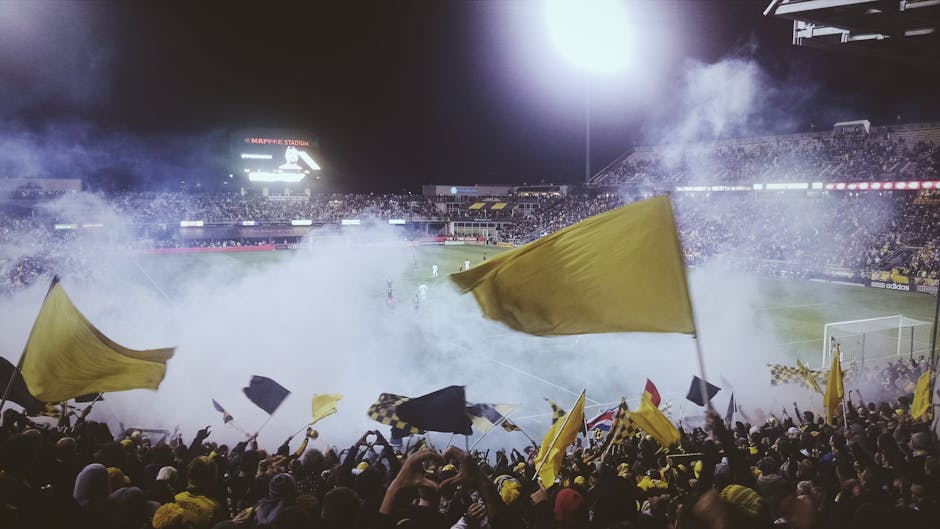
(798,309)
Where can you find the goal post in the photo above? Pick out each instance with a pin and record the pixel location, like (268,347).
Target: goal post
(876,339)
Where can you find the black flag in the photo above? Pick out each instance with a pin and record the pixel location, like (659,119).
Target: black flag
(265,393)
(441,411)
(18,392)
(695,392)
(729,416)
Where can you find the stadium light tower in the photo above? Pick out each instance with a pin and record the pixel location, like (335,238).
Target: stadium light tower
(595,36)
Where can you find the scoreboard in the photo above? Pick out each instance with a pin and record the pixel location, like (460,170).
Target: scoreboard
(274,155)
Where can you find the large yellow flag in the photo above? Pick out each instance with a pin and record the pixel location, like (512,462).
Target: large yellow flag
(324,405)
(654,422)
(809,376)
(620,271)
(66,356)
(834,389)
(562,433)
(921,396)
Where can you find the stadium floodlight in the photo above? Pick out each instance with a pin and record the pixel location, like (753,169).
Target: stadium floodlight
(592,34)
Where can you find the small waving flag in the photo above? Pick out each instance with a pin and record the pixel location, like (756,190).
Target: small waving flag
(651,393)
(603,421)
(265,393)
(485,416)
(324,406)
(226,416)
(700,387)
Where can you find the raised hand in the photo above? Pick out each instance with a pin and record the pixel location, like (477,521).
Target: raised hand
(410,476)
(202,434)
(412,471)
(476,512)
(468,475)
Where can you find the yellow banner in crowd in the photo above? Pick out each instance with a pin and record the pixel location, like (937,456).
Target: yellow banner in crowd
(66,356)
(620,271)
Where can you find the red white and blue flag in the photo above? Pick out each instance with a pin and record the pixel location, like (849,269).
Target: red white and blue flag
(603,421)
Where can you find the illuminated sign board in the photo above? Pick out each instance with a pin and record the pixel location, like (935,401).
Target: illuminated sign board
(274,155)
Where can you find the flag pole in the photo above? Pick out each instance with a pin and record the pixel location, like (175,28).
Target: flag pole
(19,364)
(527,436)
(16,370)
(551,446)
(235,425)
(501,420)
(302,428)
(263,424)
(695,334)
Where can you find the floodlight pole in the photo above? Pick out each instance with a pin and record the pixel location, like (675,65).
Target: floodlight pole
(587,134)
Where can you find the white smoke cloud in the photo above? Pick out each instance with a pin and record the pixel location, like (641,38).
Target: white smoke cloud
(316,322)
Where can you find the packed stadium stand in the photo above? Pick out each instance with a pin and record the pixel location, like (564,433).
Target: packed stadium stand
(850,204)
(879,153)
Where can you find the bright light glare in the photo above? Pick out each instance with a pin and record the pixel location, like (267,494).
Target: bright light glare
(592,34)
(261,176)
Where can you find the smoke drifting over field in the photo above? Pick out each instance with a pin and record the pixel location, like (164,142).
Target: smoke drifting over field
(316,321)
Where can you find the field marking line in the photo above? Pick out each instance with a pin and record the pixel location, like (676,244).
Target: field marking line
(152,282)
(800,341)
(536,377)
(792,306)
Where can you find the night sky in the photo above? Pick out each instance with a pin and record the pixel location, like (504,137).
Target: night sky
(398,94)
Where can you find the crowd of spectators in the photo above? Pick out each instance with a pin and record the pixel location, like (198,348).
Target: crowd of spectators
(231,207)
(871,466)
(847,232)
(812,158)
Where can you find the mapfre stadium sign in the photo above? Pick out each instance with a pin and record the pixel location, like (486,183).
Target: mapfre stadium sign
(890,286)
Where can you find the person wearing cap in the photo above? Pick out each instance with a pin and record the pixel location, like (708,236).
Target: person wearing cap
(571,510)
(282,494)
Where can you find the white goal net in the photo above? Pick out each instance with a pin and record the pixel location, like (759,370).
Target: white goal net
(877,339)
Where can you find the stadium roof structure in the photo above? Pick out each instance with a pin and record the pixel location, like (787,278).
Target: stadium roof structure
(906,31)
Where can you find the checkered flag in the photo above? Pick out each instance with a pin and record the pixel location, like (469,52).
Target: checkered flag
(385,411)
(510,426)
(781,374)
(557,411)
(621,429)
(666,408)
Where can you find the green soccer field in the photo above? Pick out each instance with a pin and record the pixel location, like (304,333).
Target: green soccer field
(797,309)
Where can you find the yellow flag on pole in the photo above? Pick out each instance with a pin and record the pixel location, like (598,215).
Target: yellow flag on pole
(556,441)
(654,422)
(324,406)
(921,396)
(834,389)
(808,376)
(66,356)
(620,271)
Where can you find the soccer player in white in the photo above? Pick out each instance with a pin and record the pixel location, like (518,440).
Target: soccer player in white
(423,292)
(433,270)
(466,264)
